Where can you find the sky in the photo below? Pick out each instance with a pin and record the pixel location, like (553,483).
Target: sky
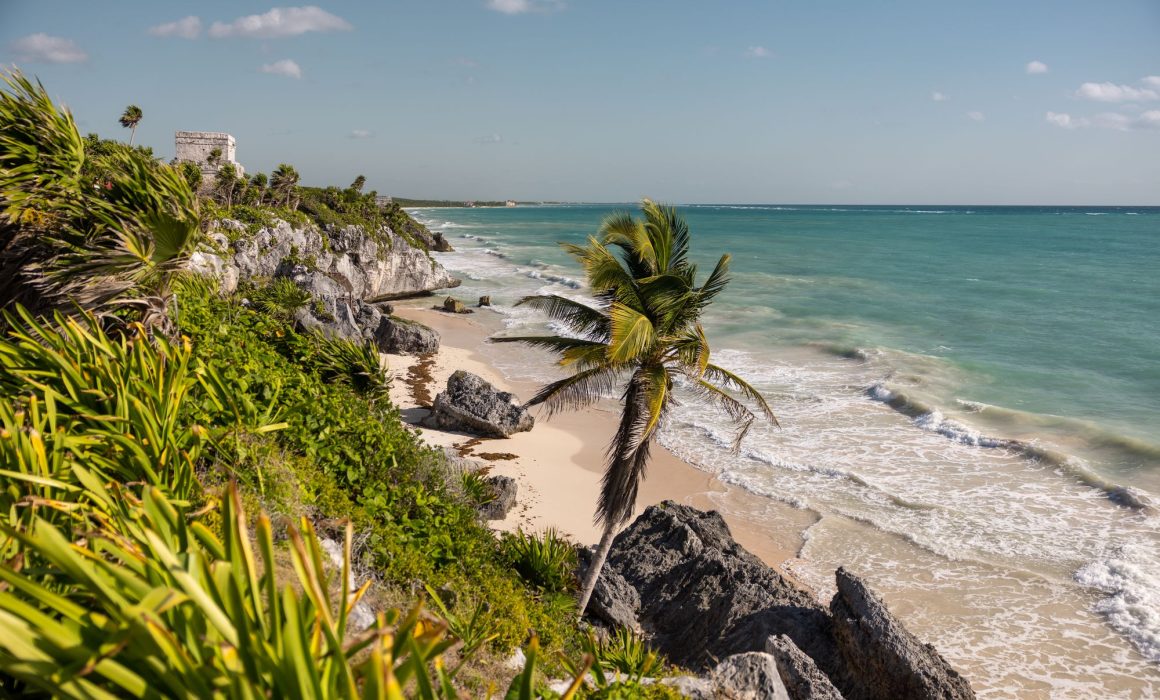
(809,101)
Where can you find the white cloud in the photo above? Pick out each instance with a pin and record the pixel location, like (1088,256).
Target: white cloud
(1110,92)
(42,48)
(519,7)
(184,28)
(758,52)
(939,97)
(361,134)
(1065,120)
(285,67)
(281,22)
(486,140)
(1152,80)
(1146,121)
(1036,68)
(976,116)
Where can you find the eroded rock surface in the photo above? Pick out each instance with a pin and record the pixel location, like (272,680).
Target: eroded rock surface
(471,404)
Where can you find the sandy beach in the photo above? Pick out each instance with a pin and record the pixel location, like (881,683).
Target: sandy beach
(559,462)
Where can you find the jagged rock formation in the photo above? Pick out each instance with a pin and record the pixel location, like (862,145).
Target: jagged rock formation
(344,269)
(472,405)
(699,596)
(882,655)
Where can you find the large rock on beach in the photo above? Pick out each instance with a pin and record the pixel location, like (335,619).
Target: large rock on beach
(749,676)
(504,490)
(883,658)
(678,575)
(405,337)
(472,405)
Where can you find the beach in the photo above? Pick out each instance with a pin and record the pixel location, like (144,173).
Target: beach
(558,463)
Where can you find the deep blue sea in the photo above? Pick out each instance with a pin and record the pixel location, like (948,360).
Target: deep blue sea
(970,409)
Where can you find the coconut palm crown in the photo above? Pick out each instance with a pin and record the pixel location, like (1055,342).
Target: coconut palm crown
(129,119)
(643,334)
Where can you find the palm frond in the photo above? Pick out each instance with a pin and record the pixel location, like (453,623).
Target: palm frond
(579,317)
(571,350)
(727,379)
(579,390)
(716,281)
(738,412)
(633,334)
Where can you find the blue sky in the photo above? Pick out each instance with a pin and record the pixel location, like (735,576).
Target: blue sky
(1053,102)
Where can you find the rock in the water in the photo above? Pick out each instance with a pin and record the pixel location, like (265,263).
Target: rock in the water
(484,300)
(453,306)
(472,405)
(403,337)
(799,674)
(749,676)
(703,597)
(882,658)
(504,489)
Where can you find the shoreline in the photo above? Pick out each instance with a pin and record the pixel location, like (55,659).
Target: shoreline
(557,464)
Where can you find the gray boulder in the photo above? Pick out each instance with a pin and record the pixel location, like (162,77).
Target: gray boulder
(703,597)
(472,405)
(504,489)
(882,658)
(614,601)
(798,672)
(749,676)
(403,337)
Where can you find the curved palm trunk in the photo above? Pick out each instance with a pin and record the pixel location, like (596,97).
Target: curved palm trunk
(132,133)
(594,568)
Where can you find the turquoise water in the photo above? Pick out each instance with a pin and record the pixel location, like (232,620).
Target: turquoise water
(969,390)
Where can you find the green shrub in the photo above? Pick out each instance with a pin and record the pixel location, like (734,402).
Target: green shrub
(546,562)
(281,298)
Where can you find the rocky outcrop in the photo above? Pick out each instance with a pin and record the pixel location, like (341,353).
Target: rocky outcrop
(799,673)
(886,660)
(504,490)
(703,597)
(697,595)
(452,305)
(484,300)
(354,262)
(749,676)
(404,337)
(472,405)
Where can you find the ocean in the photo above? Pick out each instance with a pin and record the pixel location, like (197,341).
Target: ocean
(969,400)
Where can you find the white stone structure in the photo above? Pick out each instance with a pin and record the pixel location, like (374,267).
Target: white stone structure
(195,147)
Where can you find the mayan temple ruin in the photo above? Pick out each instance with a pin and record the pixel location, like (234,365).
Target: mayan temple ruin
(198,147)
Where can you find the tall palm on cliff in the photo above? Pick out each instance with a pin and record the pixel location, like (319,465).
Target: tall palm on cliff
(130,119)
(644,334)
(284,182)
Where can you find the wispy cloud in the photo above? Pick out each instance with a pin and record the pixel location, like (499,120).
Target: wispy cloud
(360,134)
(184,28)
(281,22)
(1146,121)
(42,48)
(488,140)
(1151,80)
(939,96)
(1111,92)
(519,7)
(285,67)
(976,116)
(758,52)
(1036,68)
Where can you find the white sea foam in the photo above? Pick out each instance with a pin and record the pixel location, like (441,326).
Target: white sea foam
(1130,580)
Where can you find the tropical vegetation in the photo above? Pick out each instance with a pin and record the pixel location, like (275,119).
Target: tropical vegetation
(190,487)
(645,336)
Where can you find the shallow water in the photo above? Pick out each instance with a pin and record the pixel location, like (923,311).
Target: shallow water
(968,399)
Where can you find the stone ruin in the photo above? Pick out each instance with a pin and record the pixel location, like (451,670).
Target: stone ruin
(196,146)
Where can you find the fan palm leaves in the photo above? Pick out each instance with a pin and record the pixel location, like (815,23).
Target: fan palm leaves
(643,336)
(284,183)
(103,232)
(130,118)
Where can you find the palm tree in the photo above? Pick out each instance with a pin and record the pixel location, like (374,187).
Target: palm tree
(284,182)
(359,183)
(644,335)
(130,119)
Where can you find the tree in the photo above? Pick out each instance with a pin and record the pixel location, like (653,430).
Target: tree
(644,333)
(214,157)
(129,119)
(359,183)
(227,184)
(284,184)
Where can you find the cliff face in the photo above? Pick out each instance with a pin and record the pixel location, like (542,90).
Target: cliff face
(346,270)
(362,266)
